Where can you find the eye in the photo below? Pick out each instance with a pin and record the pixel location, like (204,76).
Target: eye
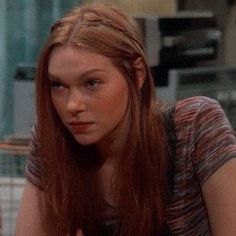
(92,83)
(56,84)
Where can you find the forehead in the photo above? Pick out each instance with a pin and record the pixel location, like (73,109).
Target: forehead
(76,58)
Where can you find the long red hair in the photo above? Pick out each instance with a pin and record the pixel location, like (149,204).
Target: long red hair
(72,198)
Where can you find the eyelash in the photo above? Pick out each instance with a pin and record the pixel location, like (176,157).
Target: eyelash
(92,83)
(89,84)
(55,84)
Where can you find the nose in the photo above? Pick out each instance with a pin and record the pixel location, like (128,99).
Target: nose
(75,102)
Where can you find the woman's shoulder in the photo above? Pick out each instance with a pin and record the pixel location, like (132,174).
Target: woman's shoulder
(192,112)
(196,102)
(189,108)
(188,105)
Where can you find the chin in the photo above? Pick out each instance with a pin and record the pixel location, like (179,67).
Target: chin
(85,140)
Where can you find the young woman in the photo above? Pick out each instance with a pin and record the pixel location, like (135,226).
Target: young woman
(109,159)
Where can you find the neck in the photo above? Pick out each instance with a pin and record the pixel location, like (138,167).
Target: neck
(111,148)
(112,151)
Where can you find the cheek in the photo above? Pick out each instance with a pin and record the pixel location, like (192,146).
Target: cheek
(58,106)
(115,105)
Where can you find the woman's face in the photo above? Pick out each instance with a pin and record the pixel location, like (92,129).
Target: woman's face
(88,92)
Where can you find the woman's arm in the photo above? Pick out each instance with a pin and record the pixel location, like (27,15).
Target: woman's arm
(213,154)
(28,219)
(219,192)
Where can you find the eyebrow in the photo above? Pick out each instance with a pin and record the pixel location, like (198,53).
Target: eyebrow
(84,74)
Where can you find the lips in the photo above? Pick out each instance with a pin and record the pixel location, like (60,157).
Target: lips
(79,127)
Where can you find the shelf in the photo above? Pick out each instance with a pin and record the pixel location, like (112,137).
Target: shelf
(6,148)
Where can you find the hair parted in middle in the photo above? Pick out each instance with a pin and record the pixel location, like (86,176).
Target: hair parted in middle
(72,196)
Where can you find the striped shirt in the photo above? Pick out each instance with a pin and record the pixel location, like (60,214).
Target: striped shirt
(204,142)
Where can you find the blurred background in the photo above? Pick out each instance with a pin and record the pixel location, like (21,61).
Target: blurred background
(24,26)
(190,46)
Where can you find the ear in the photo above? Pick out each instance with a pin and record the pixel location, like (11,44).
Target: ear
(140,71)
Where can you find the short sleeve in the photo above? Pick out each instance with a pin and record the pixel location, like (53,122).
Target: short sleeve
(213,141)
(32,168)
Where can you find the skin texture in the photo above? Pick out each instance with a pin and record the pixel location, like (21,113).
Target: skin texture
(28,220)
(82,91)
(219,193)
